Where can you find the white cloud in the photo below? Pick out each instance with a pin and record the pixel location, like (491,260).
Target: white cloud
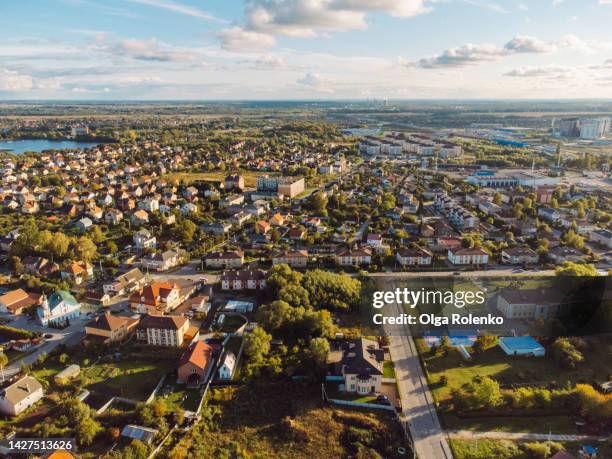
(526,44)
(471,54)
(14,81)
(238,39)
(150,50)
(553,70)
(179,8)
(308,18)
(314,81)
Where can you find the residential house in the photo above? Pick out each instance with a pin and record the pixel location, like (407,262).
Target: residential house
(107,328)
(468,256)
(143,239)
(125,283)
(16,301)
(157,297)
(163,261)
(58,309)
(414,256)
(361,366)
(293,258)
(218,228)
(550,214)
(195,364)
(140,217)
(113,217)
(20,395)
(227,367)
(77,272)
(602,237)
(243,279)
(84,224)
(562,254)
(353,257)
(225,260)
(519,256)
(529,304)
(157,330)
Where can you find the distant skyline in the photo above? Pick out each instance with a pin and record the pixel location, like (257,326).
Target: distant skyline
(305,49)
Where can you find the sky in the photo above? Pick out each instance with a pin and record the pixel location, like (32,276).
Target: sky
(305,49)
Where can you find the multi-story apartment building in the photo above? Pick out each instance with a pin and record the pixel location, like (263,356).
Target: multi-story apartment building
(294,258)
(225,260)
(159,330)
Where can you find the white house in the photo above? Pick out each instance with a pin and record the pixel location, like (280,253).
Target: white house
(20,395)
(226,369)
(60,307)
(413,256)
(356,257)
(144,240)
(243,279)
(468,256)
(361,366)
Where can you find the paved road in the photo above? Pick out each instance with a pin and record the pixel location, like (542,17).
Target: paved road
(418,409)
(59,337)
(523,436)
(480,273)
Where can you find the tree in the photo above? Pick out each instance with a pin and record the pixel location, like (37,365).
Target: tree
(85,249)
(497,198)
(319,349)
(59,245)
(319,202)
(186,230)
(487,392)
(332,291)
(97,235)
(570,268)
(3,361)
(257,344)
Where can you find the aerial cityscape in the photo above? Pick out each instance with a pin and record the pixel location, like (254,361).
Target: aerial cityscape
(246,230)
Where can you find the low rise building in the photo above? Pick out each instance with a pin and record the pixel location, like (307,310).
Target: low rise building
(158,330)
(225,260)
(468,256)
(20,395)
(243,279)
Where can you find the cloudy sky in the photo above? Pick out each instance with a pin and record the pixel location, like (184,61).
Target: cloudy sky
(305,49)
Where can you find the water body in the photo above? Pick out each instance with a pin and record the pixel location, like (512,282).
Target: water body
(38,145)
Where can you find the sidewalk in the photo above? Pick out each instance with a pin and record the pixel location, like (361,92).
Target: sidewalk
(468,434)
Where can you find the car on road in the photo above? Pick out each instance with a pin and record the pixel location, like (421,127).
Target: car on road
(383,400)
(47,336)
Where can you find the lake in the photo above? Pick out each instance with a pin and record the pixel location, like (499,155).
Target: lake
(38,145)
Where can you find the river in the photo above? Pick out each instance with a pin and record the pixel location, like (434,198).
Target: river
(38,145)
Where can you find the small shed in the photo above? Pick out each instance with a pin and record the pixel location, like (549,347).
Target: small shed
(144,434)
(68,373)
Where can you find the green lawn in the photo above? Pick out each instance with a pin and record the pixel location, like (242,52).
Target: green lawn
(485,449)
(507,369)
(187,399)
(388,369)
(536,424)
(128,378)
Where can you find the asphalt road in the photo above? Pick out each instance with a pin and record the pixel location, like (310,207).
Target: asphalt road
(59,336)
(418,409)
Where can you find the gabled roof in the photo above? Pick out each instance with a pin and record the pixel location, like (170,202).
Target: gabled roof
(20,390)
(107,322)
(162,322)
(362,357)
(199,354)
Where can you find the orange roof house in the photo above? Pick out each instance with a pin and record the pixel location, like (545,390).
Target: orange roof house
(156,297)
(195,364)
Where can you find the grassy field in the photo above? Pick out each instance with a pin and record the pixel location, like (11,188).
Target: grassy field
(506,449)
(536,424)
(287,421)
(128,378)
(507,370)
(250,177)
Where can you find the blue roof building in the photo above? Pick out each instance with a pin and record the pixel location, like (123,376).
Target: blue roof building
(521,345)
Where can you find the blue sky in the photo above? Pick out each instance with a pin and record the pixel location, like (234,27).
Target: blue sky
(305,49)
